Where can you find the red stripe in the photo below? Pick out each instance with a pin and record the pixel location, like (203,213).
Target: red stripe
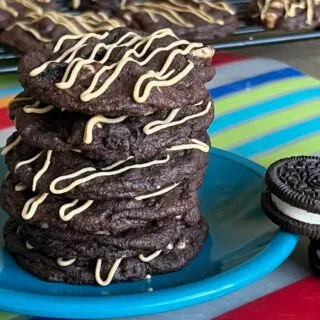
(225,57)
(298,301)
(5,122)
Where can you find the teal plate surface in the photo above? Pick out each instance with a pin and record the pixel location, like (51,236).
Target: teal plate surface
(242,247)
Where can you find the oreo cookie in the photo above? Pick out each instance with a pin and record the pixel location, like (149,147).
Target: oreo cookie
(292,197)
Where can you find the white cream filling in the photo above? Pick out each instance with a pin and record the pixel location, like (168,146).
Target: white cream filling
(294,212)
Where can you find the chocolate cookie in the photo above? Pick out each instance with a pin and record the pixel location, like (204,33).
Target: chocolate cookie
(13,9)
(101,5)
(78,271)
(108,139)
(71,175)
(314,256)
(193,20)
(111,217)
(120,73)
(27,33)
(292,197)
(288,15)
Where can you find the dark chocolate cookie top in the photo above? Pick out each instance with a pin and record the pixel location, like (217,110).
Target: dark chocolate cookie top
(71,175)
(121,72)
(296,181)
(27,33)
(108,138)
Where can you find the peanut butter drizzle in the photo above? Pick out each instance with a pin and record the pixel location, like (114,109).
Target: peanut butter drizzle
(138,47)
(78,25)
(290,8)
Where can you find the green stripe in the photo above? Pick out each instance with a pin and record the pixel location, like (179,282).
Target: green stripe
(238,101)
(261,126)
(7,316)
(9,81)
(305,146)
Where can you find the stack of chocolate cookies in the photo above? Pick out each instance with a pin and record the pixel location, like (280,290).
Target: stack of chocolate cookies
(109,154)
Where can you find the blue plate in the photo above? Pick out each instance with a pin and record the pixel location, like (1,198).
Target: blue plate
(243,246)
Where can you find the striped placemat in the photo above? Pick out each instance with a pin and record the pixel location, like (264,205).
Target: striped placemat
(265,110)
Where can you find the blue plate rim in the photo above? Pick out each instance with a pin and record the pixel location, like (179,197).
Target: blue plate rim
(177,297)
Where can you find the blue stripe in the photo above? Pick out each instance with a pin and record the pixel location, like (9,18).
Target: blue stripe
(278,138)
(252,82)
(259,110)
(10,91)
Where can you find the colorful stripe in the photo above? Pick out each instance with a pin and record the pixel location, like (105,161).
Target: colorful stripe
(5,121)
(299,147)
(222,58)
(252,82)
(279,138)
(298,301)
(243,69)
(260,94)
(248,132)
(264,108)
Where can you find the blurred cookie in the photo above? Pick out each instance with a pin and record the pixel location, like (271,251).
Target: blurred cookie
(193,20)
(25,34)
(286,14)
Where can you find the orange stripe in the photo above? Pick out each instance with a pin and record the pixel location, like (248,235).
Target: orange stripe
(5,101)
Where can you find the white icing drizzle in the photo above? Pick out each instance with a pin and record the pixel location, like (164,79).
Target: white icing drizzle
(20,187)
(10,146)
(75,183)
(29,246)
(164,77)
(157,193)
(116,164)
(33,108)
(69,54)
(76,4)
(65,263)
(197,144)
(88,136)
(68,216)
(31,206)
(42,171)
(148,276)
(6,176)
(18,99)
(162,81)
(149,258)
(158,125)
(21,163)
(110,274)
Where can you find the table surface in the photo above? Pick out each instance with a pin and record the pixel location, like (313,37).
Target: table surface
(265,110)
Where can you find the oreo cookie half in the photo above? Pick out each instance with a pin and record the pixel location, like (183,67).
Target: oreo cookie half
(292,197)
